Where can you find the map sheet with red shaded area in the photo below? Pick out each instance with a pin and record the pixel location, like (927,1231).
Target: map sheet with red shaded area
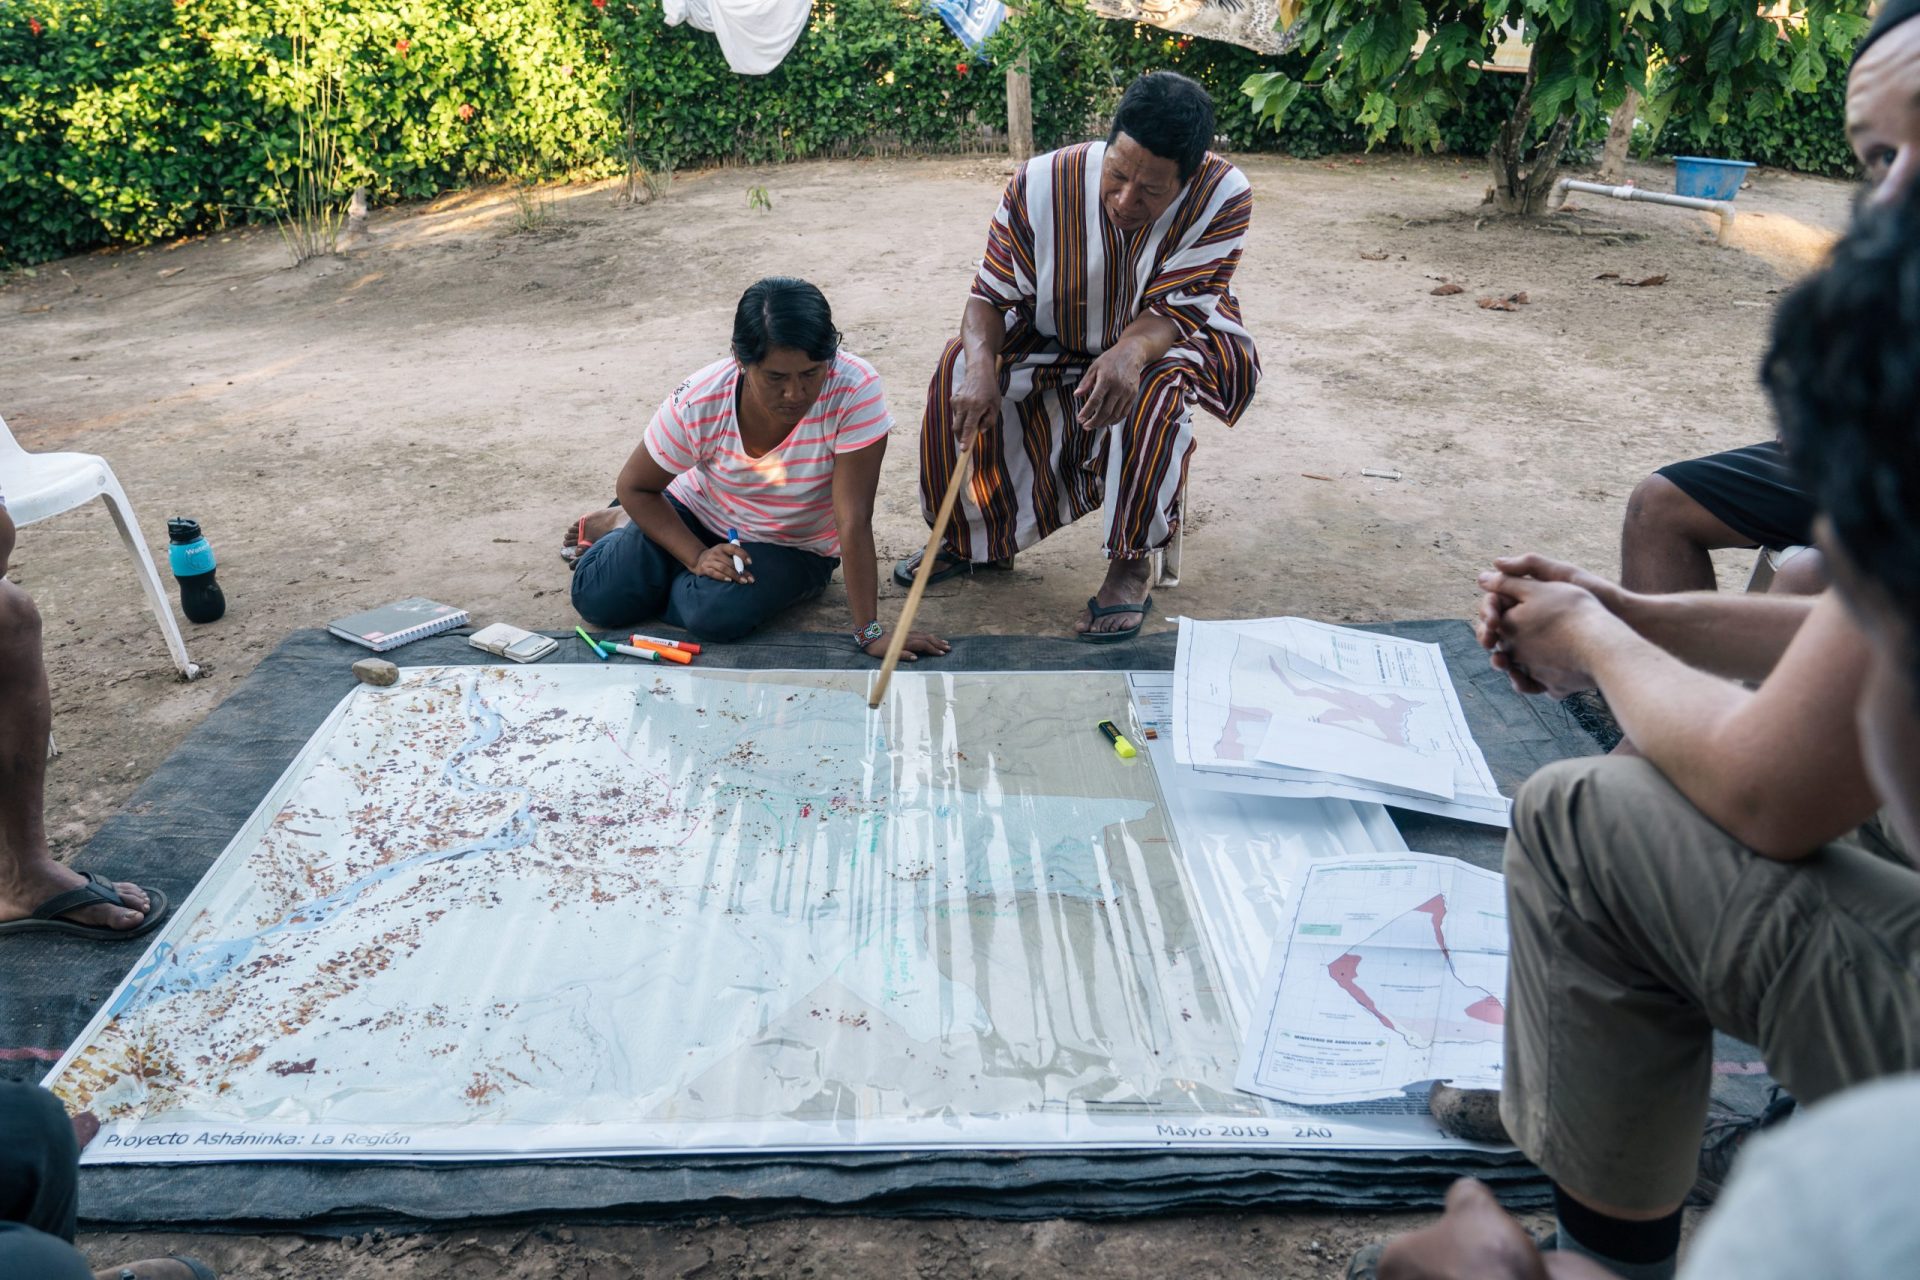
(1391,973)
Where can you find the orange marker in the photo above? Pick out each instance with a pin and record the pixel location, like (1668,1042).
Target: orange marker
(685,645)
(671,655)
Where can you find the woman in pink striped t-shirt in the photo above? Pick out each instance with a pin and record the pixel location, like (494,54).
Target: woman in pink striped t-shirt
(752,481)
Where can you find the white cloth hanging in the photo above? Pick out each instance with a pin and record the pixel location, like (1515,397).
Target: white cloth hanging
(754,34)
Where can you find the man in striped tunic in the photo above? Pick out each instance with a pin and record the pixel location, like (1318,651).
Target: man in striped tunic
(1102,312)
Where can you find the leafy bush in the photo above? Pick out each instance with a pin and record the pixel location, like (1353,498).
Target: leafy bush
(129,120)
(1808,132)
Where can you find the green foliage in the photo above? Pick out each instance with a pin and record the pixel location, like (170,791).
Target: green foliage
(135,119)
(1367,64)
(129,120)
(1805,131)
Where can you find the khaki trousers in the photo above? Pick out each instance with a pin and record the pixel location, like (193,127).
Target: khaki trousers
(1638,927)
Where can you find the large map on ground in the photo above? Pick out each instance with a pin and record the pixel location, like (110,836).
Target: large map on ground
(509,911)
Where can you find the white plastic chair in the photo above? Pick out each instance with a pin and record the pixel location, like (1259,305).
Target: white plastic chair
(39,485)
(1767,564)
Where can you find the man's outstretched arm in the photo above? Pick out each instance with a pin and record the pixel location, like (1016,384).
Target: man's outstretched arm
(1778,768)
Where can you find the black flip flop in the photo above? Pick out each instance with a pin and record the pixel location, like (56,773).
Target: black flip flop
(96,891)
(907,566)
(1097,611)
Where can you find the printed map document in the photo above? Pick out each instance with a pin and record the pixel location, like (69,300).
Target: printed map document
(500,912)
(1301,708)
(1391,971)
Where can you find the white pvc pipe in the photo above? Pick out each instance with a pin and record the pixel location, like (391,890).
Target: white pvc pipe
(1724,208)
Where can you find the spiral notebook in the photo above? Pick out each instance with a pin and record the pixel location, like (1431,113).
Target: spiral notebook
(392,625)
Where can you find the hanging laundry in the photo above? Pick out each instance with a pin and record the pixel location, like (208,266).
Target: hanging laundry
(974,21)
(1265,26)
(754,34)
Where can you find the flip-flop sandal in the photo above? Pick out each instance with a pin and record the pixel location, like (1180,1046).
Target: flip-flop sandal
(581,542)
(97,890)
(905,568)
(1097,611)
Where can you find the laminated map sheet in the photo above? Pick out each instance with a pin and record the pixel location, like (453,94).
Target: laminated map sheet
(1295,708)
(1389,972)
(501,912)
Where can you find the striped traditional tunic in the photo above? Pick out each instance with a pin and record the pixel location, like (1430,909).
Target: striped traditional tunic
(1070,282)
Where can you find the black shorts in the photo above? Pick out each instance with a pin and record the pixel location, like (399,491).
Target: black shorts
(1752,491)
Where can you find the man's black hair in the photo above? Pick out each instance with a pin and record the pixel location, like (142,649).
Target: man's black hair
(1844,374)
(781,311)
(1170,116)
(1892,14)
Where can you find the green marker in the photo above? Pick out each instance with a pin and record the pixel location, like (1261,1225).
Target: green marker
(598,652)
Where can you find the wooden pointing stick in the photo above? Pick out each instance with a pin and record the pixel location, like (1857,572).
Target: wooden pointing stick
(919,588)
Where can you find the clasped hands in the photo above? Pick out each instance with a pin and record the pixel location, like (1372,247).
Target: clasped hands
(1104,395)
(1542,622)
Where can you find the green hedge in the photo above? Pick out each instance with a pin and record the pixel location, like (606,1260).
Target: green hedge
(1809,134)
(131,120)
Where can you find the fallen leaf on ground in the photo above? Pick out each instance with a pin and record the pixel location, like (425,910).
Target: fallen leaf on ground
(1446,290)
(1645,283)
(166,272)
(1314,475)
(1608,275)
(1512,302)
(1375,257)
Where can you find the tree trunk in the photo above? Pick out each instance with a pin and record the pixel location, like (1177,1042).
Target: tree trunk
(1523,176)
(1019,106)
(1019,112)
(1613,161)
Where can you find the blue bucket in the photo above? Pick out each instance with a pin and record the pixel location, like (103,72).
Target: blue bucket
(1709,179)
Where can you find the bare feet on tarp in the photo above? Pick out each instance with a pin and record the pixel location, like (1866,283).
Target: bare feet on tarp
(1127,582)
(590,528)
(23,888)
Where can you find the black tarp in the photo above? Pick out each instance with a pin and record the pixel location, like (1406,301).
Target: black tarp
(184,815)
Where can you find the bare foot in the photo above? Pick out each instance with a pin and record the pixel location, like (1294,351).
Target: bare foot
(25,888)
(1128,582)
(595,525)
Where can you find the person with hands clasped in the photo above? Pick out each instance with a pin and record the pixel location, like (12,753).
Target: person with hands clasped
(752,481)
(1745,868)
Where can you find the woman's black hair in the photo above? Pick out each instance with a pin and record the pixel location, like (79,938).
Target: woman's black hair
(781,311)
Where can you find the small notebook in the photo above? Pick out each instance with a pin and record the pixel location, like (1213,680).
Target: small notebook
(392,625)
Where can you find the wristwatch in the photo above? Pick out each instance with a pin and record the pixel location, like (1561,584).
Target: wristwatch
(867,635)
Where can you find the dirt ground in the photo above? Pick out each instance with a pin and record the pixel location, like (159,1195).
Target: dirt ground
(424,412)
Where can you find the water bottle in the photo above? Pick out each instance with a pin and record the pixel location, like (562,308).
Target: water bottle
(192,561)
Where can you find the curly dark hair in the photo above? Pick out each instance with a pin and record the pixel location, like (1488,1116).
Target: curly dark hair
(1844,373)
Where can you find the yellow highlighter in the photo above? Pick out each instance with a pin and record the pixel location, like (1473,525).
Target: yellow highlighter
(1121,747)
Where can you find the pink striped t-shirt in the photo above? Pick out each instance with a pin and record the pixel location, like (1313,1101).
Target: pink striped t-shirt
(785,496)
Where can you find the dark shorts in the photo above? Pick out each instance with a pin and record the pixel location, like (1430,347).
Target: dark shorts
(1752,491)
(39,1183)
